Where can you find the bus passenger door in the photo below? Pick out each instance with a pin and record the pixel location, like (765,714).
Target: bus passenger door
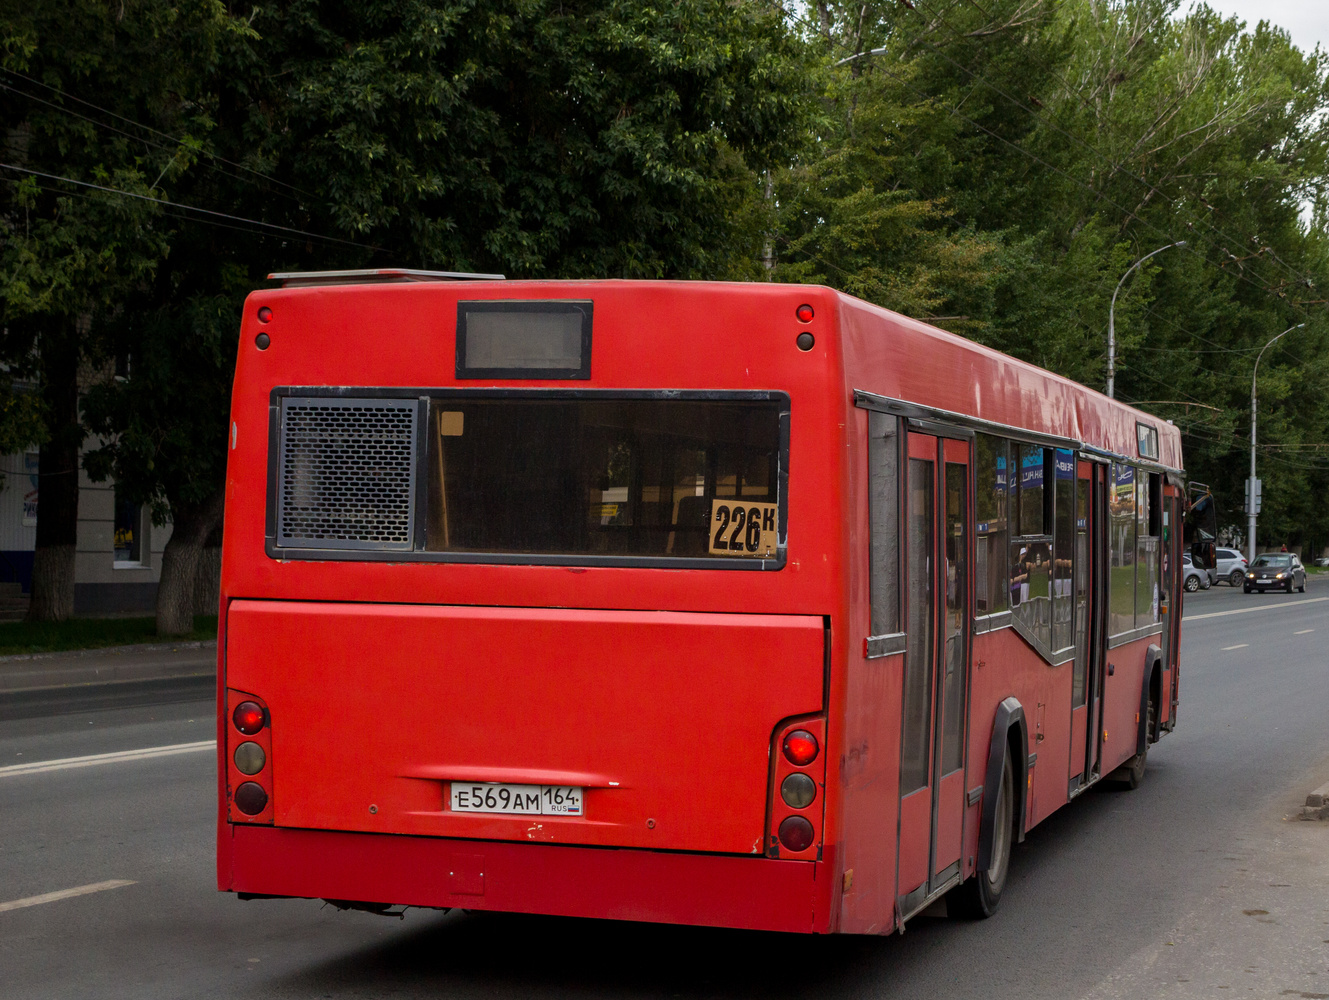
(939,534)
(1080,721)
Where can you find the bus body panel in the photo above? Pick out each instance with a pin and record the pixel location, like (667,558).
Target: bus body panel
(378,709)
(869,783)
(648,336)
(699,889)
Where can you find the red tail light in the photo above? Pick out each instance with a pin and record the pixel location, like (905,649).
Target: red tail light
(247,756)
(800,748)
(249,717)
(796,834)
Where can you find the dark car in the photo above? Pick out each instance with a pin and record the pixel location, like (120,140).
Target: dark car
(1275,571)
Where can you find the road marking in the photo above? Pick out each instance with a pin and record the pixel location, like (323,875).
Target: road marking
(1304,631)
(1240,645)
(51,897)
(65,763)
(1262,607)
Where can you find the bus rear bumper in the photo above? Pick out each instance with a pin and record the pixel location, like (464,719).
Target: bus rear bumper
(709,890)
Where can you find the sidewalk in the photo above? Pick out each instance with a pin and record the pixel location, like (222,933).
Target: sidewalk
(76,680)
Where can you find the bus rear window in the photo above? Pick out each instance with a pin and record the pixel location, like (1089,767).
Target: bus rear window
(691,478)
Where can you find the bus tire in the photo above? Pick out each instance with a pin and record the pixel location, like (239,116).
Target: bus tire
(1131,774)
(979,896)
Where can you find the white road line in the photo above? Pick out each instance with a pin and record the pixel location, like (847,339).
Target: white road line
(1304,631)
(65,763)
(1262,607)
(1240,645)
(51,897)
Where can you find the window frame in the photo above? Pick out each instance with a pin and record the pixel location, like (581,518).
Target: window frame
(424,395)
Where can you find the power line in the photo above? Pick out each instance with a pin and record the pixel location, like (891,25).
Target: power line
(192,208)
(127,135)
(155,131)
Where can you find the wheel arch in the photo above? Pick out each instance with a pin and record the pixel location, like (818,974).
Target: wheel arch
(1009,730)
(1152,685)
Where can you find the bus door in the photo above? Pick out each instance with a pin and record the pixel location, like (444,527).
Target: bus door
(1098,613)
(939,535)
(1081,723)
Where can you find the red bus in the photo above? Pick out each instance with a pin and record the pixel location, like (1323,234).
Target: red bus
(750,605)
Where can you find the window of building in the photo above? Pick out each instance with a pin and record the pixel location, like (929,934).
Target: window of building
(130,533)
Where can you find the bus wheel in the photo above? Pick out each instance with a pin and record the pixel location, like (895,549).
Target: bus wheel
(1131,773)
(979,896)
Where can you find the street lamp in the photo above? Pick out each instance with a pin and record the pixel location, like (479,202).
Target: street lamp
(1112,309)
(1250,483)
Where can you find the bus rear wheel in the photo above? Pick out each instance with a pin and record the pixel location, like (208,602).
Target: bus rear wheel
(979,896)
(1131,774)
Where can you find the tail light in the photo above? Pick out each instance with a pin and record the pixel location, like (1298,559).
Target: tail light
(248,758)
(798,782)
(800,748)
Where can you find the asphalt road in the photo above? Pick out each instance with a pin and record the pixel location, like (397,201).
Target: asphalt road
(1192,886)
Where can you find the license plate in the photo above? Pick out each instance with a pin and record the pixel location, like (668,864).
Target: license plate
(533,800)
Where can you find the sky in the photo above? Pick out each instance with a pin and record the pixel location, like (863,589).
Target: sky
(1307,21)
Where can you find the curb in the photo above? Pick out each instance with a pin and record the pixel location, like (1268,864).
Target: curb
(1317,804)
(138,647)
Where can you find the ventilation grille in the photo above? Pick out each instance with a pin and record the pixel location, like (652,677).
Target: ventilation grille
(347,475)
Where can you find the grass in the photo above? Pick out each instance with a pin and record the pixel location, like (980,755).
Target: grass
(92,633)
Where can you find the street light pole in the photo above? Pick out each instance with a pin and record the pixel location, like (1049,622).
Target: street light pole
(1250,483)
(1112,326)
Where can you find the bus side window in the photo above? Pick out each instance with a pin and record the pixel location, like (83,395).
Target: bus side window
(884,512)
(1121,542)
(991,592)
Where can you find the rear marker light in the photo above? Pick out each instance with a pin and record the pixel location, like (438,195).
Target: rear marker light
(795,833)
(800,748)
(797,790)
(264,314)
(262,341)
(804,313)
(251,799)
(249,758)
(805,341)
(248,717)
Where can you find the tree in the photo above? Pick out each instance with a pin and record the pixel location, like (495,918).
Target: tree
(80,227)
(573,139)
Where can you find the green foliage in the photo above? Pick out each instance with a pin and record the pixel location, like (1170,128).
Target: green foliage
(996,169)
(563,139)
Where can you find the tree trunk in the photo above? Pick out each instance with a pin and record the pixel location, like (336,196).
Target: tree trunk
(57,483)
(180,563)
(207,582)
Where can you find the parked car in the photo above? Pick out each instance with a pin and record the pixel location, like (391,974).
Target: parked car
(1193,578)
(1275,571)
(1231,566)
(1322,561)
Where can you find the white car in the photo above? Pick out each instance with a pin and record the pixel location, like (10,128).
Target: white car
(1231,567)
(1193,578)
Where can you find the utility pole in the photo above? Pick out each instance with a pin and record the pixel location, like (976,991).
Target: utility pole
(1253,485)
(1112,325)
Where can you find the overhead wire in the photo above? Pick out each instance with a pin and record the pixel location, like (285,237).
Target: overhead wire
(139,139)
(184,206)
(155,131)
